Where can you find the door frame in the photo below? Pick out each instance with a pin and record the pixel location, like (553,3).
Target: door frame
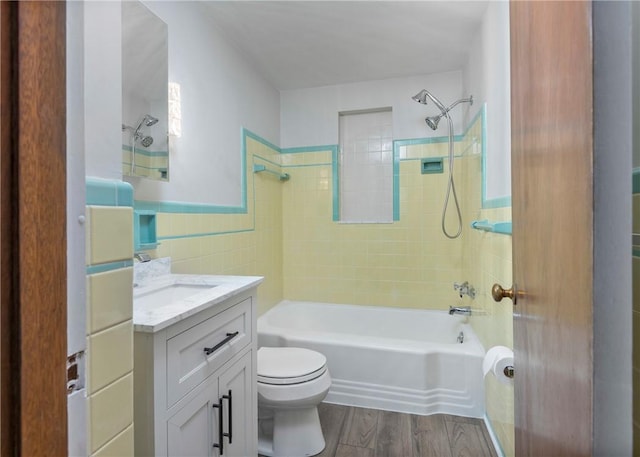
(33,303)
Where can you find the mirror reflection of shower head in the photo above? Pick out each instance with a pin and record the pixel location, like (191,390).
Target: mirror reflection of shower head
(147,120)
(146,141)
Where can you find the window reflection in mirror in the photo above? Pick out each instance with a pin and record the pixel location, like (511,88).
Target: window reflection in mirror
(145,146)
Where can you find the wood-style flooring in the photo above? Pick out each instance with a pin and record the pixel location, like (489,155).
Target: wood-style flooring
(361,432)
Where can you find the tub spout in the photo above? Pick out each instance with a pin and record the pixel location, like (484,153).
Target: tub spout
(464,310)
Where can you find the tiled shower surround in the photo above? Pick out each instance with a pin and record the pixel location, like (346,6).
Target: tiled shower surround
(290,235)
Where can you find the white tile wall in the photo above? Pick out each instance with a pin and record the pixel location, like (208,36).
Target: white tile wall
(366,167)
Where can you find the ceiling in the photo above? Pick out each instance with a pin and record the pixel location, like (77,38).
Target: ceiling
(301,44)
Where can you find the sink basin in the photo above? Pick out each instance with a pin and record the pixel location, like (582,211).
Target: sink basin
(167,294)
(166,299)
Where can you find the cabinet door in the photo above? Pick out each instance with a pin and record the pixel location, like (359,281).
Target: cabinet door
(238,421)
(191,431)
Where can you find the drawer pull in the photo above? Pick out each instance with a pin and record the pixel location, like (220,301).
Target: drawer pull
(230,336)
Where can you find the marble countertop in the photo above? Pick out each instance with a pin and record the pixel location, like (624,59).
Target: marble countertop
(150,316)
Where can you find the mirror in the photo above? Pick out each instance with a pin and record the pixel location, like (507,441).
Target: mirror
(145,69)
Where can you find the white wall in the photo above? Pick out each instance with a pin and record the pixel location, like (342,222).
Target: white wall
(612,224)
(487,77)
(309,117)
(221,93)
(76,270)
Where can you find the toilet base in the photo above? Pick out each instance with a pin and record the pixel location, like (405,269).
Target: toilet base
(291,433)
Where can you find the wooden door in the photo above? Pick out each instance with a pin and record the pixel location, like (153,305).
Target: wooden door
(552,156)
(33,304)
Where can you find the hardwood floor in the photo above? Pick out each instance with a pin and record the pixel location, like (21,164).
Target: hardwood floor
(361,432)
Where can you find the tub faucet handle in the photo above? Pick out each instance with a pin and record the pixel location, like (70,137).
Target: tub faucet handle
(465,289)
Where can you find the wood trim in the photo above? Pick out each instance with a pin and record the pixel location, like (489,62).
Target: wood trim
(33,190)
(9,387)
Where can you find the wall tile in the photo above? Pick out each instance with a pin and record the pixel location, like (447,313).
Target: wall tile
(109,234)
(109,297)
(636,213)
(110,412)
(120,446)
(110,355)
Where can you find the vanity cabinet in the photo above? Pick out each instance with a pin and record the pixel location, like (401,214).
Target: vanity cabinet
(195,387)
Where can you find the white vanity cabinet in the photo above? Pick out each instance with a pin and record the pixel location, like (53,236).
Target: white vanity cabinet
(220,408)
(195,388)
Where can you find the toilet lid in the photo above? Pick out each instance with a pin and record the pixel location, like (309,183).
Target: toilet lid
(284,365)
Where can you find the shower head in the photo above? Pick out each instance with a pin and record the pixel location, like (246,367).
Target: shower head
(146,141)
(421,97)
(433,121)
(147,120)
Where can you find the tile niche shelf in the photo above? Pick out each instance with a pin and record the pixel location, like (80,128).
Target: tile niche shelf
(144,230)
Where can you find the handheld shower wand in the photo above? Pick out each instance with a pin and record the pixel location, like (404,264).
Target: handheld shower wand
(432,122)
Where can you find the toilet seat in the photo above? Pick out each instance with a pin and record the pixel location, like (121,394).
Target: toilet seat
(286,366)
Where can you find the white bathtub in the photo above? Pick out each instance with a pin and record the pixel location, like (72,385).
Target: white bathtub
(386,358)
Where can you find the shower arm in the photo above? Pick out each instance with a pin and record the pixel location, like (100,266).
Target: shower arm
(462,100)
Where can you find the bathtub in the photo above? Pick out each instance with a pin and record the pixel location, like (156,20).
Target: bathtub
(386,358)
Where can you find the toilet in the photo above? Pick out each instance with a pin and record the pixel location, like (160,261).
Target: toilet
(291,384)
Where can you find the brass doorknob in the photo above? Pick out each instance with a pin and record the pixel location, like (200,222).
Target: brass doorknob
(499,293)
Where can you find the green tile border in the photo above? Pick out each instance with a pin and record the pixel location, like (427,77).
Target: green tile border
(202,208)
(335,174)
(144,152)
(107,192)
(105,267)
(197,235)
(303,149)
(427,140)
(397,144)
(636,181)
(396,175)
(246,133)
(198,208)
(187,208)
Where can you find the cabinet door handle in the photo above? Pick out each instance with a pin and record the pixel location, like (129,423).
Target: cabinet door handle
(229,416)
(219,445)
(229,337)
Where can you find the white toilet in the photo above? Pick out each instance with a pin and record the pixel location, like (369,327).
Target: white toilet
(291,384)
